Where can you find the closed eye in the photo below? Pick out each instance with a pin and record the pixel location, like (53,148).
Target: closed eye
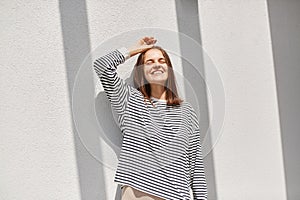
(149,62)
(162,61)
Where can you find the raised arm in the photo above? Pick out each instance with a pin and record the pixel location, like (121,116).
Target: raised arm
(198,180)
(116,89)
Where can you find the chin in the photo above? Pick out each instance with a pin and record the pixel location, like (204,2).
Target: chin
(157,80)
(162,82)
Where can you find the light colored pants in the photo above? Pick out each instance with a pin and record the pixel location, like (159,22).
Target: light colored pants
(130,193)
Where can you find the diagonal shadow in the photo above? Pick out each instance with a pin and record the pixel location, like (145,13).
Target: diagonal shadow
(284,23)
(74,25)
(189,24)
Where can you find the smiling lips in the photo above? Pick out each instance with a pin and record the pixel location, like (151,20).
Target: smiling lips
(157,72)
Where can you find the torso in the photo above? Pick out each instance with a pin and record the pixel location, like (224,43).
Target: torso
(130,193)
(159,122)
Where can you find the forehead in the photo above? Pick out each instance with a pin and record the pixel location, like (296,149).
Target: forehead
(153,54)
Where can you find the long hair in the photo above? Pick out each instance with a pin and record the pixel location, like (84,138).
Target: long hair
(143,85)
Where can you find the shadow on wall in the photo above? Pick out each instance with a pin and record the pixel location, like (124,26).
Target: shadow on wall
(76,46)
(112,132)
(113,138)
(284,19)
(189,24)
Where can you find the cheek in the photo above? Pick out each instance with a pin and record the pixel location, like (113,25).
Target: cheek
(167,70)
(146,70)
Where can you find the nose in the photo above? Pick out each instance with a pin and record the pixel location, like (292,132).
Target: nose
(157,64)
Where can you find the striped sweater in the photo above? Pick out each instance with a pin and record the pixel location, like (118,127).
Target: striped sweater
(161,148)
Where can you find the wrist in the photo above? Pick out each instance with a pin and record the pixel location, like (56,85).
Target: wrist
(132,51)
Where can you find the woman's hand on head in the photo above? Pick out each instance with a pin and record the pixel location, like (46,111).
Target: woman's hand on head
(142,45)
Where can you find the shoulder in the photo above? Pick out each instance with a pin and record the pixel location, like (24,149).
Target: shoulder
(134,90)
(193,115)
(189,107)
(135,95)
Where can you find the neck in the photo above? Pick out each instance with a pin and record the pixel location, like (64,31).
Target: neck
(158,91)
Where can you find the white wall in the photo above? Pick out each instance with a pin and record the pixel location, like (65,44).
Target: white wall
(37,146)
(248,157)
(42,47)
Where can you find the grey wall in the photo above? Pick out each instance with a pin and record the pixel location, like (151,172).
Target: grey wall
(285,33)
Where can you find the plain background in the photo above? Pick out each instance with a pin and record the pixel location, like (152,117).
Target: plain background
(254,45)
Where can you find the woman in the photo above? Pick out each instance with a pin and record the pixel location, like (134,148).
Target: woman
(161,155)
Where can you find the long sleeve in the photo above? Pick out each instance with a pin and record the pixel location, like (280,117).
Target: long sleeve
(197,173)
(116,89)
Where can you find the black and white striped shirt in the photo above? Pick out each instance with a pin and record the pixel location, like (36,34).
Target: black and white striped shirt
(161,150)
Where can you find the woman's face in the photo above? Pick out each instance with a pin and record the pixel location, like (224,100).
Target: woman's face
(155,67)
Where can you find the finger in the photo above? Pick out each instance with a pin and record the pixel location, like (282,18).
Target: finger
(152,41)
(148,46)
(148,38)
(149,41)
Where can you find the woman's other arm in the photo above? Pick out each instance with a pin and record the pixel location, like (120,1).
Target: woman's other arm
(197,171)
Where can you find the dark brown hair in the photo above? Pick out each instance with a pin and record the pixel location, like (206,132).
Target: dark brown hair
(143,85)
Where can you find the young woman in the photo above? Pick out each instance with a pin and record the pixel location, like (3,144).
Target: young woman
(161,157)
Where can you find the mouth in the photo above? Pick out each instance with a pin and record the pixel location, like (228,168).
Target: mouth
(157,72)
